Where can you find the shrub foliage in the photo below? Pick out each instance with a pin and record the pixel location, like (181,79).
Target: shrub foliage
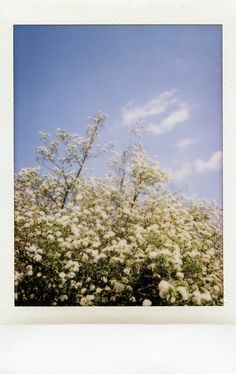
(122,240)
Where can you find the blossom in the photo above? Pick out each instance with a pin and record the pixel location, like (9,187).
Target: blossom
(29,270)
(153,254)
(197,297)
(147,302)
(121,239)
(119,287)
(127,271)
(37,257)
(51,237)
(206,296)
(164,285)
(63,297)
(183,292)
(86,301)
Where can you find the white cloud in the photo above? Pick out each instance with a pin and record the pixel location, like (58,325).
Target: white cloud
(170,121)
(167,102)
(184,143)
(155,106)
(199,166)
(183,172)
(213,164)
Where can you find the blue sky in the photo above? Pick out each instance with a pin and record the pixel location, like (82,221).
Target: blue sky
(167,79)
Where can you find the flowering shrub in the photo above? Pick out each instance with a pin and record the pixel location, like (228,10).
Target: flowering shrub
(118,240)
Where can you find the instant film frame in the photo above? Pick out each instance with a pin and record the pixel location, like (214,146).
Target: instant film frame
(196,13)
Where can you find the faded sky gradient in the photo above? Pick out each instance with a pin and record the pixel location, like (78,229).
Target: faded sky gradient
(168,79)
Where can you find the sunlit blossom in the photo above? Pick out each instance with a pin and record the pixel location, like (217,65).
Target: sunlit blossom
(147,302)
(124,239)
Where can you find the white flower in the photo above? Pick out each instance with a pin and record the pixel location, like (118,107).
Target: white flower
(101,256)
(98,290)
(153,254)
(127,271)
(94,253)
(206,296)
(109,234)
(162,293)
(180,275)
(84,257)
(37,257)
(63,297)
(83,301)
(29,270)
(147,302)
(126,211)
(216,288)
(183,292)
(153,227)
(197,297)
(71,274)
(164,285)
(87,300)
(32,248)
(68,254)
(119,287)
(96,244)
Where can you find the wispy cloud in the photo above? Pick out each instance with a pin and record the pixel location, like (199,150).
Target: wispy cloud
(184,143)
(213,164)
(155,106)
(182,172)
(147,115)
(198,166)
(173,119)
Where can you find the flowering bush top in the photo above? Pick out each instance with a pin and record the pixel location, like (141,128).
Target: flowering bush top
(124,240)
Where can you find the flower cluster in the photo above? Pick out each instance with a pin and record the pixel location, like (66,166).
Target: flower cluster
(89,242)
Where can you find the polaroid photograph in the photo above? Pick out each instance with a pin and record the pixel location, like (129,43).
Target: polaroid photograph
(117,132)
(121,204)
